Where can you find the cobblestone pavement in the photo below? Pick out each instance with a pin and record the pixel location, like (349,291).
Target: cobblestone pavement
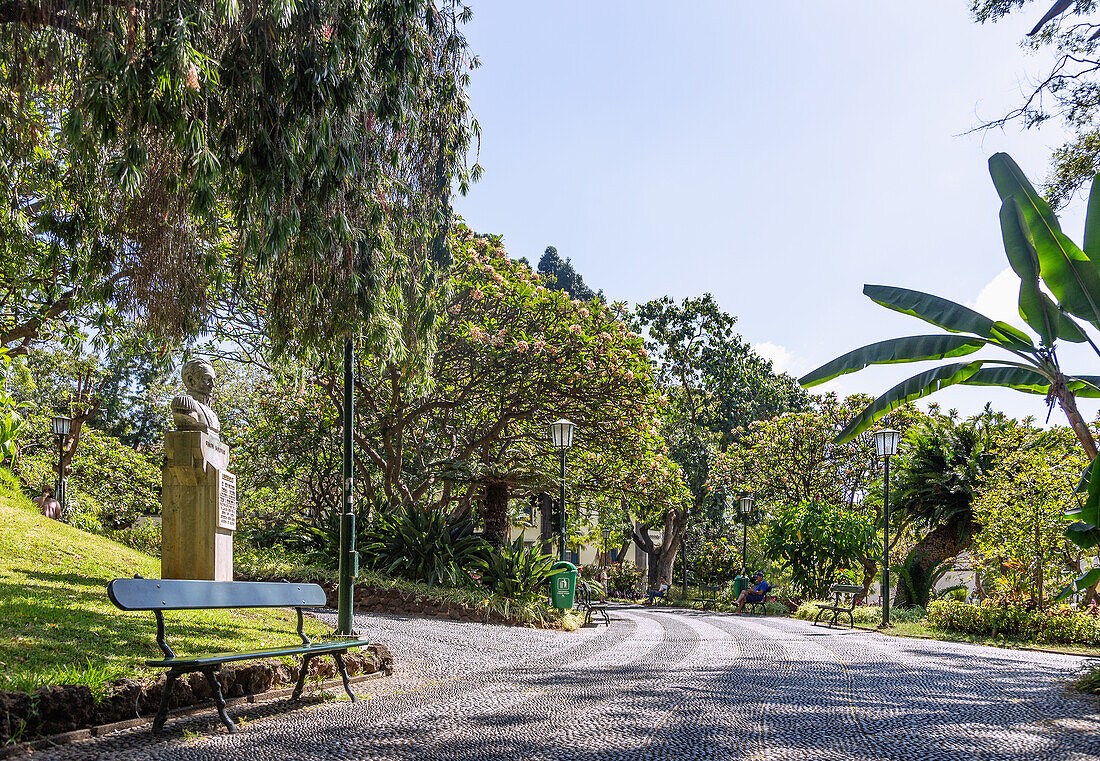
(658,684)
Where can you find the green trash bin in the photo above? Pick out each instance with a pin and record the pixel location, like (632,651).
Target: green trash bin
(563,585)
(740,584)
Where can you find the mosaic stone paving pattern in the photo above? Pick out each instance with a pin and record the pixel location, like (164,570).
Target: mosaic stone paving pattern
(657,684)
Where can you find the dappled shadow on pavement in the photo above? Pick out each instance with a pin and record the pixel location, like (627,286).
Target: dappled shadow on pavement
(682,686)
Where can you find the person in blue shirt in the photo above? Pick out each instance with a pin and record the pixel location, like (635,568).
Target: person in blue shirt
(755,593)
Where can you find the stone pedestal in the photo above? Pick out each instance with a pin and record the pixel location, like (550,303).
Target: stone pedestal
(198,508)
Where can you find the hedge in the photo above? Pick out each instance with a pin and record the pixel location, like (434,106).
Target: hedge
(1055,625)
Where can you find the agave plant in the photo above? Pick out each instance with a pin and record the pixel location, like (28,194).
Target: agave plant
(518,571)
(425,545)
(1041,255)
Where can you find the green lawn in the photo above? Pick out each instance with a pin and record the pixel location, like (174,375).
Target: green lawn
(58,627)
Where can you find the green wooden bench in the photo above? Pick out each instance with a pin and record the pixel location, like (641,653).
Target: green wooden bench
(707,596)
(159,595)
(855,597)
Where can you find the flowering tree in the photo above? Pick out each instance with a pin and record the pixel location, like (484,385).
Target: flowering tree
(514,355)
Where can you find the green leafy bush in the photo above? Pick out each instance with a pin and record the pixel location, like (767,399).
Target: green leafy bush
(277,563)
(144,537)
(425,545)
(816,541)
(624,578)
(517,571)
(1055,625)
(866,615)
(110,481)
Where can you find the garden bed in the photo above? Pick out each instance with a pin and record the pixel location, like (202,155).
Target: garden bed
(378,593)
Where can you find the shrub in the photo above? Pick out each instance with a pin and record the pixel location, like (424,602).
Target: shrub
(144,537)
(277,563)
(425,545)
(863,615)
(1055,625)
(517,571)
(1088,681)
(117,483)
(624,578)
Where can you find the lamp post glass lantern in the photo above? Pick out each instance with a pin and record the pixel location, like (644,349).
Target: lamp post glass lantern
(606,539)
(561,434)
(744,506)
(886,446)
(61,427)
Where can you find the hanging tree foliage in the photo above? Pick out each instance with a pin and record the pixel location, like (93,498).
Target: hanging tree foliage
(192,145)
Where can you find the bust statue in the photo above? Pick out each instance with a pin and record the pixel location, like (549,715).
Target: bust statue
(192,412)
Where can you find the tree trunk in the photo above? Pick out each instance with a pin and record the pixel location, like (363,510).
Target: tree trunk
(942,543)
(496,513)
(870,568)
(675,523)
(622,550)
(1068,402)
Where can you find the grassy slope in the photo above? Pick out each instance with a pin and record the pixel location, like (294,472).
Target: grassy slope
(58,627)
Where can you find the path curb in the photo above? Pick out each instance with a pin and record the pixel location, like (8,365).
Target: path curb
(77,735)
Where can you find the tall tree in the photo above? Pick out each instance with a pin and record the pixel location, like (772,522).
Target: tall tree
(562,277)
(715,383)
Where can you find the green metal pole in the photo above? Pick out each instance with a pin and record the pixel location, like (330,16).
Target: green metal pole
(744,544)
(562,527)
(886,546)
(348,556)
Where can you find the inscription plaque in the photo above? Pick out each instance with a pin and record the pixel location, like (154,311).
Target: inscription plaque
(227,501)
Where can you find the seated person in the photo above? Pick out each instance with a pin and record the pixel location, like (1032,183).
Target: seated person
(660,590)
(755,593)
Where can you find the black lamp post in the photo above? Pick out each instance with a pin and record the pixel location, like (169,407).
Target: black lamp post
(561,434)
(744,507)
(61,427)
(886,446)
(606,539)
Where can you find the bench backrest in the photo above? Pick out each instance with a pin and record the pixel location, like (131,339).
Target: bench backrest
(187,594)
(846,589)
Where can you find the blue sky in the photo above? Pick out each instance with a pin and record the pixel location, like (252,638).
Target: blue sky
(779,156)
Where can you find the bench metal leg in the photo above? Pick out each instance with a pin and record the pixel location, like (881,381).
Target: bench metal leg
(301,677)
(219,700)
(165,695)
(339,658)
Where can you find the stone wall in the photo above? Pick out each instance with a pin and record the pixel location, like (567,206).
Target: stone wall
(62,708)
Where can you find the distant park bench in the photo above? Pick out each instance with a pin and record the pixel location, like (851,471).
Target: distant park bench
(855,597)
(159,595)
(591,601)
(707,596)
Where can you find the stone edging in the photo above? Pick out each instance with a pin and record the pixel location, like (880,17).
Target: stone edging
(66,738)
(57,709)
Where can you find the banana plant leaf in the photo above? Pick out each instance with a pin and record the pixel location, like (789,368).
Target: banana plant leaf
(948,315)
(1018,378)
(1060,7)
(895,350)
(1038,310)
(928,382)
(1084,535)
(1089,512)
(1092,224)
(1066,270)
(1082,583)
